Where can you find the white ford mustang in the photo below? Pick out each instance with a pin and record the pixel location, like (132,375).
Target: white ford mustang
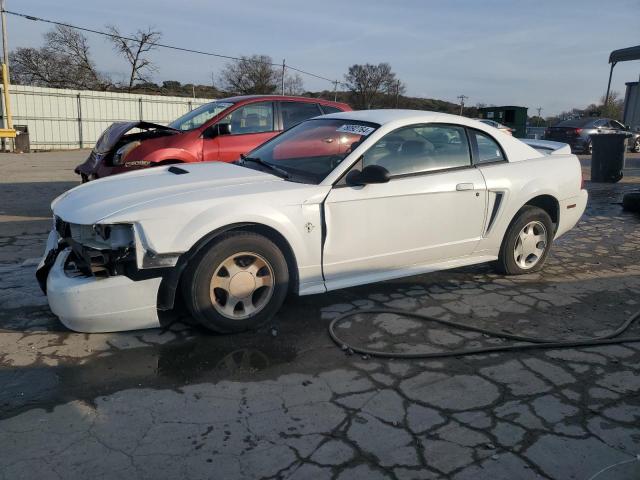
(339,200)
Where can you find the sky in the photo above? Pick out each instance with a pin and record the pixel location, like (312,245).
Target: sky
(551,54)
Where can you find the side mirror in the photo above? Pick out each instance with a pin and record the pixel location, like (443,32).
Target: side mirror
(369,174)
(216,130)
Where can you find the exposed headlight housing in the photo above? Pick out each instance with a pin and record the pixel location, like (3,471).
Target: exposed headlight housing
(101,236)
(121,154)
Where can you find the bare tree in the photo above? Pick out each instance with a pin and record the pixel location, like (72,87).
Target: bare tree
(614,108)
(72,44)
(63,62)
(134,49)
(368,83)
(250,75)
(293,84)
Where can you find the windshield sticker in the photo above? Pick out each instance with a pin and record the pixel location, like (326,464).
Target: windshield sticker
(357,129)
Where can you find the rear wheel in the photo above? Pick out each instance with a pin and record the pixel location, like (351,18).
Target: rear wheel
(527,242)
(236,284)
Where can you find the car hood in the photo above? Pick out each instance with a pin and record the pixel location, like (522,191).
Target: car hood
(110,138)
(117,130)
(95,201)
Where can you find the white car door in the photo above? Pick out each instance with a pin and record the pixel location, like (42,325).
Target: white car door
(432,209)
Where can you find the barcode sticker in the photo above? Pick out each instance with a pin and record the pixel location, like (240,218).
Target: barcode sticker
(357,129)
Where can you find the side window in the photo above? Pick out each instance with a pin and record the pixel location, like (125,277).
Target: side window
(422,148)
(488,148)
(252,118)
(616,125)
(600,123)
(295,112)
(327,109)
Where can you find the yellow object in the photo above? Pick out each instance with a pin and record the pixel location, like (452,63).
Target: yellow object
(8,132)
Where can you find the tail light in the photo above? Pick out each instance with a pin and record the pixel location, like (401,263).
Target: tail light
(577,131)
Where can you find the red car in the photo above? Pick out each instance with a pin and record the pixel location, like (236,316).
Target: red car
(217,131)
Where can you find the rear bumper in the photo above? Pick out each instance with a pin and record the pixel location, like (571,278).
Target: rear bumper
(90,304)
(571,210)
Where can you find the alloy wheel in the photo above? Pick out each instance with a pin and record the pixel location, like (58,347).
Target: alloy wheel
(530,245)
(242,285)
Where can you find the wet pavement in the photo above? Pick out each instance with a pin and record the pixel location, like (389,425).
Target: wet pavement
(285,402)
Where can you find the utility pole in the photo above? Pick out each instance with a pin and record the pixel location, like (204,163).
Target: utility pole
(7,131)
(539,112)
(335,91)
(283,70)
(462,98)
(5,47)
(397,92)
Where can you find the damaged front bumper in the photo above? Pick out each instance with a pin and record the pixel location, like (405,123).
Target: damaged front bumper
(90,304)
(93,290)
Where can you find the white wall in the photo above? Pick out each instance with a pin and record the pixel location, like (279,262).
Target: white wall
(64,119)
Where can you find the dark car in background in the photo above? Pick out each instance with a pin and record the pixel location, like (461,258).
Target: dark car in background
(217,131)
(577,133)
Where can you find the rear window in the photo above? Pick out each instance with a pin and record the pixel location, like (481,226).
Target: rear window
(577,122)
(327,109)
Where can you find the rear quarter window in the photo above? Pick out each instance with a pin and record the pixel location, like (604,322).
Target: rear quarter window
(489,150)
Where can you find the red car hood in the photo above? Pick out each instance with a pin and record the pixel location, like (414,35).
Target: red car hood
(110,138)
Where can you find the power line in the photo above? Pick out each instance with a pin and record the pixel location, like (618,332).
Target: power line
(312,74)
(162,45)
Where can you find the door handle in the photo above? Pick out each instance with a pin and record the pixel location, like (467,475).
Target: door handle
(464,186)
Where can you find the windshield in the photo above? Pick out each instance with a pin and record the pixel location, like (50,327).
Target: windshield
(199,116)
(309,151)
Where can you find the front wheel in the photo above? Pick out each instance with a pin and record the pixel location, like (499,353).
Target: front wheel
(527,242)
(236,284)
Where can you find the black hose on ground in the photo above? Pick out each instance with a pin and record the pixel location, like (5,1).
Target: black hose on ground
(532,343)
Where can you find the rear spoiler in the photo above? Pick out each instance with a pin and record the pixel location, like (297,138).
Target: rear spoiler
(548,147)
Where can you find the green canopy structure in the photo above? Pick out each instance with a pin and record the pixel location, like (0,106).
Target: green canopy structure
(622,55)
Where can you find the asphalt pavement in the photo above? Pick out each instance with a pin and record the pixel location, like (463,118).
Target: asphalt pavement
(285,402)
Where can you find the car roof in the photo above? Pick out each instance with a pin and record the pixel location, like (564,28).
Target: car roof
(398,117)
(384,116)
(287,98)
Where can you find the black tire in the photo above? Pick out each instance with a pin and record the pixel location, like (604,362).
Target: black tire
(635,146)
(506,261)
(588,147)
(631,202)
(197,280)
